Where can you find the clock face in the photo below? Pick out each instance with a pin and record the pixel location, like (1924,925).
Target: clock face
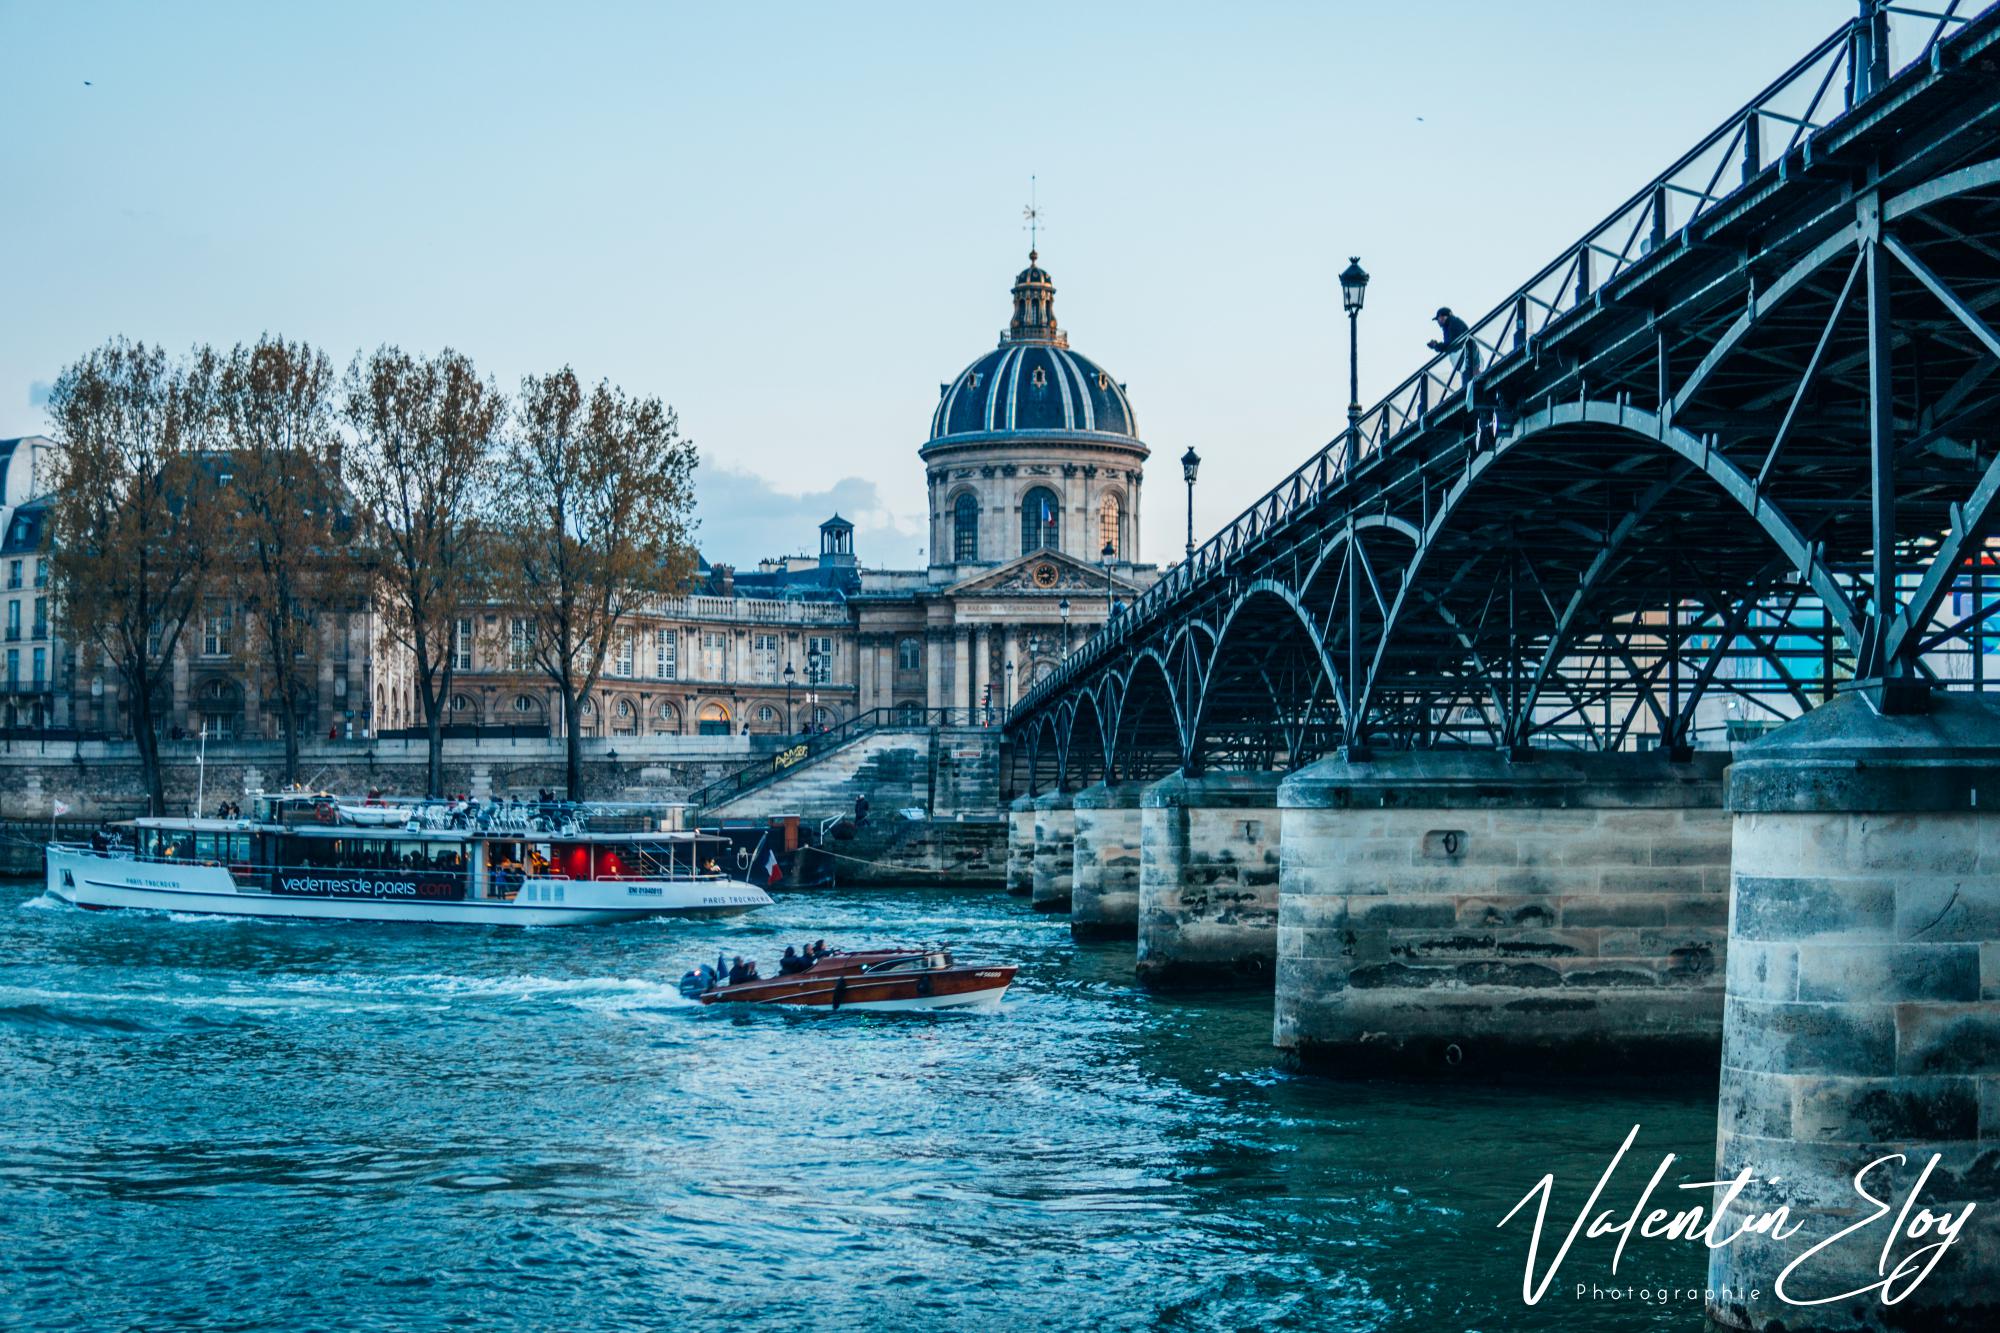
(1045,576)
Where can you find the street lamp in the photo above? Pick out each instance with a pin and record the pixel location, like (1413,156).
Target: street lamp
(1353,290)
(1108,551)
(1190,464)
(1010,685)
(1062,609)
(789,676)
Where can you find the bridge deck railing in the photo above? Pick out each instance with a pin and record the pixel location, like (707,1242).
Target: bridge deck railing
(1821,87)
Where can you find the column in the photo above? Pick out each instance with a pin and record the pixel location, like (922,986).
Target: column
(864,675)
(1055,852)
(1011,652)
(961,665)
(933,669)
(1862,1016)
(1104,888)
(982,666)
(1208,880)
(1467,911)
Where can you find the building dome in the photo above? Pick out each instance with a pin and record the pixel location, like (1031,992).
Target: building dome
(1032,381)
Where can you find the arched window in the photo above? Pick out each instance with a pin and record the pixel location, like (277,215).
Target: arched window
(1111,525)
(1041,520)
(525,704)
(823,717)
(766,713)
(910,655)
(965,527)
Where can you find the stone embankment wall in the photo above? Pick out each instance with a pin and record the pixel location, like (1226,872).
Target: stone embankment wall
(98,779)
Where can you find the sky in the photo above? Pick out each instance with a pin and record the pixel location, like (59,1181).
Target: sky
(793,222)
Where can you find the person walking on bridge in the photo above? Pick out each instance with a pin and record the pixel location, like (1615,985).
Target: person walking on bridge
(1457,341)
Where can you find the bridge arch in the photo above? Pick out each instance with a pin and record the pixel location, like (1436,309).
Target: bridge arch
(1148,739)
(1268,696)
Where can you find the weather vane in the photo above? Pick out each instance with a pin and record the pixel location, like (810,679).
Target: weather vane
(1033,216)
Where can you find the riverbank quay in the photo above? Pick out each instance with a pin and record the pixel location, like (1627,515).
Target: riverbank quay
(102,779)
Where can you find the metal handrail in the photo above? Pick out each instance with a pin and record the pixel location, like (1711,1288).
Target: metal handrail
(1636,232)
(813,745)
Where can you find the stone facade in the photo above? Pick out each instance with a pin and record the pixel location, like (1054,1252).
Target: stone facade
(1208,880)
(1863,1012)
(1021,846)
(1447,909)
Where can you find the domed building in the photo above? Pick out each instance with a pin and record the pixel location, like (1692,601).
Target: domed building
(1034,465)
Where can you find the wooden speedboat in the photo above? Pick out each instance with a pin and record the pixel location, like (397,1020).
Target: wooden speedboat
(880,979)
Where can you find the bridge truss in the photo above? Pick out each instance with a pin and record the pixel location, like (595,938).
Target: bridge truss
(1737,448)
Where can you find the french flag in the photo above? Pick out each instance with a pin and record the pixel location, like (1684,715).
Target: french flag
(772,874)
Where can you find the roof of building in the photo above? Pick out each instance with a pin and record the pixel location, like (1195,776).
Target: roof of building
(1032,381)
(25,527)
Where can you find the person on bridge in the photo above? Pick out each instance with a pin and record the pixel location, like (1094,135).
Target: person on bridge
(1456,341)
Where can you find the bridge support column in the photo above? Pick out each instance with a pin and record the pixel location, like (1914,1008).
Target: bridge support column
(1208,880)
(1864,1014)
(1055,851)
(1104,895)
(1454,909)
(1021,846)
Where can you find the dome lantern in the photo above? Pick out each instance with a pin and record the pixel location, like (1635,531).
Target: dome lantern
(1035,307)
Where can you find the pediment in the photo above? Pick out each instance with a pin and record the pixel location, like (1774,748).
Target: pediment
(1045,572)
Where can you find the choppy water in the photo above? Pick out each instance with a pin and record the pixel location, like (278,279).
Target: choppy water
(227,1125)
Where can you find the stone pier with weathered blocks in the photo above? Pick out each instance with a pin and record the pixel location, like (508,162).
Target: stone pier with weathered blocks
(1463,909)
(1021,846)
(1055,851)
(1208,880)
(1104,891)
(1863,1013)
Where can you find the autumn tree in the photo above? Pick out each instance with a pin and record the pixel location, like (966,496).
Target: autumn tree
(134,518)
(287,535)
(424,438)
(592,516)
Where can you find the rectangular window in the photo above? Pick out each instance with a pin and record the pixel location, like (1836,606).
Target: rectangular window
(461,644)
(714,647)
(667,649)
(41,666)
(819,659)
(764,653)
(215,632)
(13,667)
(521,644)
(625,653)
(41,617)
(14,619)
(13,573)
(42,572)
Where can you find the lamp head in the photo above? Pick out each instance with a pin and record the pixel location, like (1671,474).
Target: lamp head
(1190,464)
(1353,285)
(1063,608)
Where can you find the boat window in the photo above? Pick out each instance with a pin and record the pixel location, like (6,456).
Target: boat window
(204,846)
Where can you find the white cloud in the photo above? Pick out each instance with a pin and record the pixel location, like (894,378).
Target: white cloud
(745,517)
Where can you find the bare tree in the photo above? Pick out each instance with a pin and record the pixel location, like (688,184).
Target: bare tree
(287,537)
(424,439)
(133,518)
(592,517)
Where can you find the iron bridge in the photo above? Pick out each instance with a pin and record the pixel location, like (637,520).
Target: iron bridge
(1735,449)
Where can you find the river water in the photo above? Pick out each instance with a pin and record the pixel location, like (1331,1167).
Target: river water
(208,1124)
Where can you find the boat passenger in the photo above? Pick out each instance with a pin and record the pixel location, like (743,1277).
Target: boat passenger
(738,972)
(791,963)
(819,950)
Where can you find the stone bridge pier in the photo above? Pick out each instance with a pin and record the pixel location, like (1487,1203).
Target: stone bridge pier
(1208,880)
(1021,846)
(1463,910)
(1104,891)
(1055,851)
(1863,1013)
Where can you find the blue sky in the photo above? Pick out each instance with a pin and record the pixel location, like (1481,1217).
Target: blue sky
(794,221)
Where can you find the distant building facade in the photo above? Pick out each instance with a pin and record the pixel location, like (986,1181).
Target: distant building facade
(1033,468)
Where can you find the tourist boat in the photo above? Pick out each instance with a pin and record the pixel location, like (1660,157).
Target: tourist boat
(881,979)
(457,863)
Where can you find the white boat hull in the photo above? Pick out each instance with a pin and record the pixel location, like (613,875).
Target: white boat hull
(101,882)
(983,999)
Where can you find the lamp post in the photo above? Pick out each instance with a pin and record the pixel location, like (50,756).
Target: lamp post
(1108,551)
(1009,708)
(1353,291)
(789,676)
(1190,464)
(1062,609)
(812,681)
